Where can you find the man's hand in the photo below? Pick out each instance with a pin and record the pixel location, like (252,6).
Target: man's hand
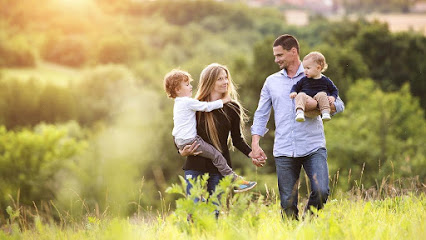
(331,99)
(256,162)
(293,94)
(257,155)
(332,106)
(190,150)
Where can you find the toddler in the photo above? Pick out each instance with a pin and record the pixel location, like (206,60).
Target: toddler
(314,85)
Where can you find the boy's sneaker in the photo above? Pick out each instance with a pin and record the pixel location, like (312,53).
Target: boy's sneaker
(244,186)
(300,116)
(326,117)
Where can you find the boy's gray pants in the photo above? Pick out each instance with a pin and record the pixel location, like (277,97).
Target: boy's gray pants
(208,151)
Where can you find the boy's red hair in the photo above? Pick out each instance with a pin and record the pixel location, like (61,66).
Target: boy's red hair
(173,79)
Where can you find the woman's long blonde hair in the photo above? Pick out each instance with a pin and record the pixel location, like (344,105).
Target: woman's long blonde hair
(208,77)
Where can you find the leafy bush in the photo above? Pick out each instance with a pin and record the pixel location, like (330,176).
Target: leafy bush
(117,49)
(27,103)
(199,209)
(101,92)
(30,161)
(19,101)
(66,50)
(16,51)
(384,131)
(57,104)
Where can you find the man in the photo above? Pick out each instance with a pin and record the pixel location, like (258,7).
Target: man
(296,144)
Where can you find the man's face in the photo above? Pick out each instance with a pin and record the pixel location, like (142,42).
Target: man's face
(282,57)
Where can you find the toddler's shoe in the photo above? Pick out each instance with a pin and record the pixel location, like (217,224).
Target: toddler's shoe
(244,185)
(326,117)
(300,116)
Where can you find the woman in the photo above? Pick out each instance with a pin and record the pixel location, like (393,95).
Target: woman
(215,127)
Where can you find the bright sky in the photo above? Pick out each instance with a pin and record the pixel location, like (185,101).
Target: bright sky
(74,3)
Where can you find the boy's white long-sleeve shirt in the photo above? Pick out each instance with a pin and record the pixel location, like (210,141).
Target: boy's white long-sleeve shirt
(185,123)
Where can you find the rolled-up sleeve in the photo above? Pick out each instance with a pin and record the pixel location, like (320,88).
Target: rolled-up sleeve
(263,112)
(339,104)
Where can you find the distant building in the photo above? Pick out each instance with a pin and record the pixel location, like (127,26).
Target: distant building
(318,6)
(419,7)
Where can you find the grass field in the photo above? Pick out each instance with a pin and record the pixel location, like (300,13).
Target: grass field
(391,218)
(249,215)
(44,72)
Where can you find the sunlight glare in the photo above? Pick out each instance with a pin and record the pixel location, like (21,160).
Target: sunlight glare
(74,3)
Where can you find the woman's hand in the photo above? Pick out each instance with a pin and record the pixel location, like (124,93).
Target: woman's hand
(190,150)
(258,162)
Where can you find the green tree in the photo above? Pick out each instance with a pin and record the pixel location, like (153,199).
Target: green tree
(117,49)
(345,65)
(100,93)
(370,42)
(393,59)
(69,50)
(16,50)
(384,131)
(57,104)
(19,102)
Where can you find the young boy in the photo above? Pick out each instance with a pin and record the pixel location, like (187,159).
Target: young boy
(314,85)
(178,86)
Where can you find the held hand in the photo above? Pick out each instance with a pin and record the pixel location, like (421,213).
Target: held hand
(258,157)
(190,150)
(226,99)
(331,99)
(258,153)
(256,162)
(293,94)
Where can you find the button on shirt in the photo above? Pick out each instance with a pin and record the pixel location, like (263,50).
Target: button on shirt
(292,138)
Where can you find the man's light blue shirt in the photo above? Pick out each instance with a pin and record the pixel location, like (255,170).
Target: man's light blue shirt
(292,138)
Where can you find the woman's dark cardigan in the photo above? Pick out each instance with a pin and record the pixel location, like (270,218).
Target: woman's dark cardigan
(224,126)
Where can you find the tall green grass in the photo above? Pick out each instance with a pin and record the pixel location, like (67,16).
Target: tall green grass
(249,215)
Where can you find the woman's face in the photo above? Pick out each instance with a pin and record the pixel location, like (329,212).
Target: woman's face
(221,84)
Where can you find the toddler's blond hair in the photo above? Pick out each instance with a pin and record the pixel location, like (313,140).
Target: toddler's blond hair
(318,58)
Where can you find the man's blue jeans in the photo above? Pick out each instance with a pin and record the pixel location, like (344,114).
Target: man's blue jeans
(288,173)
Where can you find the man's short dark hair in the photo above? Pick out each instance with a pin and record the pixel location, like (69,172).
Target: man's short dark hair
(287,42)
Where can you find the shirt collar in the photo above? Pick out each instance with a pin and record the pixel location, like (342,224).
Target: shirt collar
(300,70)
